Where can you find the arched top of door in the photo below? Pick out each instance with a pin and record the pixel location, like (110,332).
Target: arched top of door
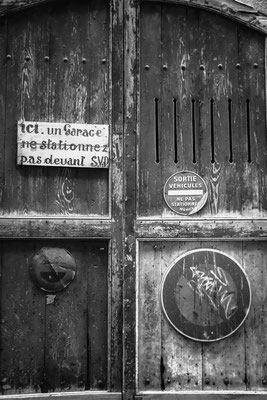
(235,9)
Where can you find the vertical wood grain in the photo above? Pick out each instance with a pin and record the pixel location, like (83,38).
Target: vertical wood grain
(219,81)
(129,253)
(179,53)
(224,362)
(79,93)
(149,318)
(182,357)
(23,190)
(66,318)
(252,99)
(98,315)
(255,263)
(225,82)
(64,79)
(22,323)
(5,58)
(117,203)
(150,194)
(54,342)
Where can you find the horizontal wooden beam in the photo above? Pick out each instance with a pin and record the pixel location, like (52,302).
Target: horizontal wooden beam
(94,395)
(203,395)
(25,228)
(225,229)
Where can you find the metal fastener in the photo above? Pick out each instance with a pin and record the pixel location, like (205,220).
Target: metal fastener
(220,66)
(83,60)
(147,381)
(104,60)
(147,66)
(255,65)
(65,59)
(165,67)
(46,58)
(27,58)
(207,381)
(202,67)
(264,381)
(8,57)
(238,66)
(226,381)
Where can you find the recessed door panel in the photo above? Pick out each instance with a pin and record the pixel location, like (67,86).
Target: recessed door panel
(202,109)
(54,341)
(169,360)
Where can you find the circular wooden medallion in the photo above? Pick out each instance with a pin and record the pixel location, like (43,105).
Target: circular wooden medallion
(205,295)
(185,192)
(52,269)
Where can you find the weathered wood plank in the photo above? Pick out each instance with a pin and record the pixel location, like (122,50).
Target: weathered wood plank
(210,395)
(252,109)
(255,263)
(22,322)
(224,361)
(220,82)
(97,297)
(179,54)
(181,357)
(55,228)
(129,254)
(54,342)
(57,191)
(252,16)
(149,317)
(203,229)
(25,68)
(5,58)
(66,318)
(117,203)
(92,395)
(151,128)
(79,93)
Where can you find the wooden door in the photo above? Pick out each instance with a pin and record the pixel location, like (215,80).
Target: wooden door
(56,67)
(202,109)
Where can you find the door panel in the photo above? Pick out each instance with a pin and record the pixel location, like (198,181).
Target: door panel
(202,107)
(54,341)
(55,73)
(169,361)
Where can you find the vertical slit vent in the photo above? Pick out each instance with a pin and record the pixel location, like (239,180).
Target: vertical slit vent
(248,131)
(194,130)
(156,107)
(212,130)
(175,130)
(230,130)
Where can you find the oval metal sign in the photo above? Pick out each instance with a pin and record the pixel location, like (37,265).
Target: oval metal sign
(206,295)
(52,269)
(185,192)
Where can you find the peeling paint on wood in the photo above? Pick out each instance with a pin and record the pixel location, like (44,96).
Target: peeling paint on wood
(53,344)
(207,115)
(188,364)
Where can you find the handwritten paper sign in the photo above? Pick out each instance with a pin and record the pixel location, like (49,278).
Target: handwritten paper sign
(63,145)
